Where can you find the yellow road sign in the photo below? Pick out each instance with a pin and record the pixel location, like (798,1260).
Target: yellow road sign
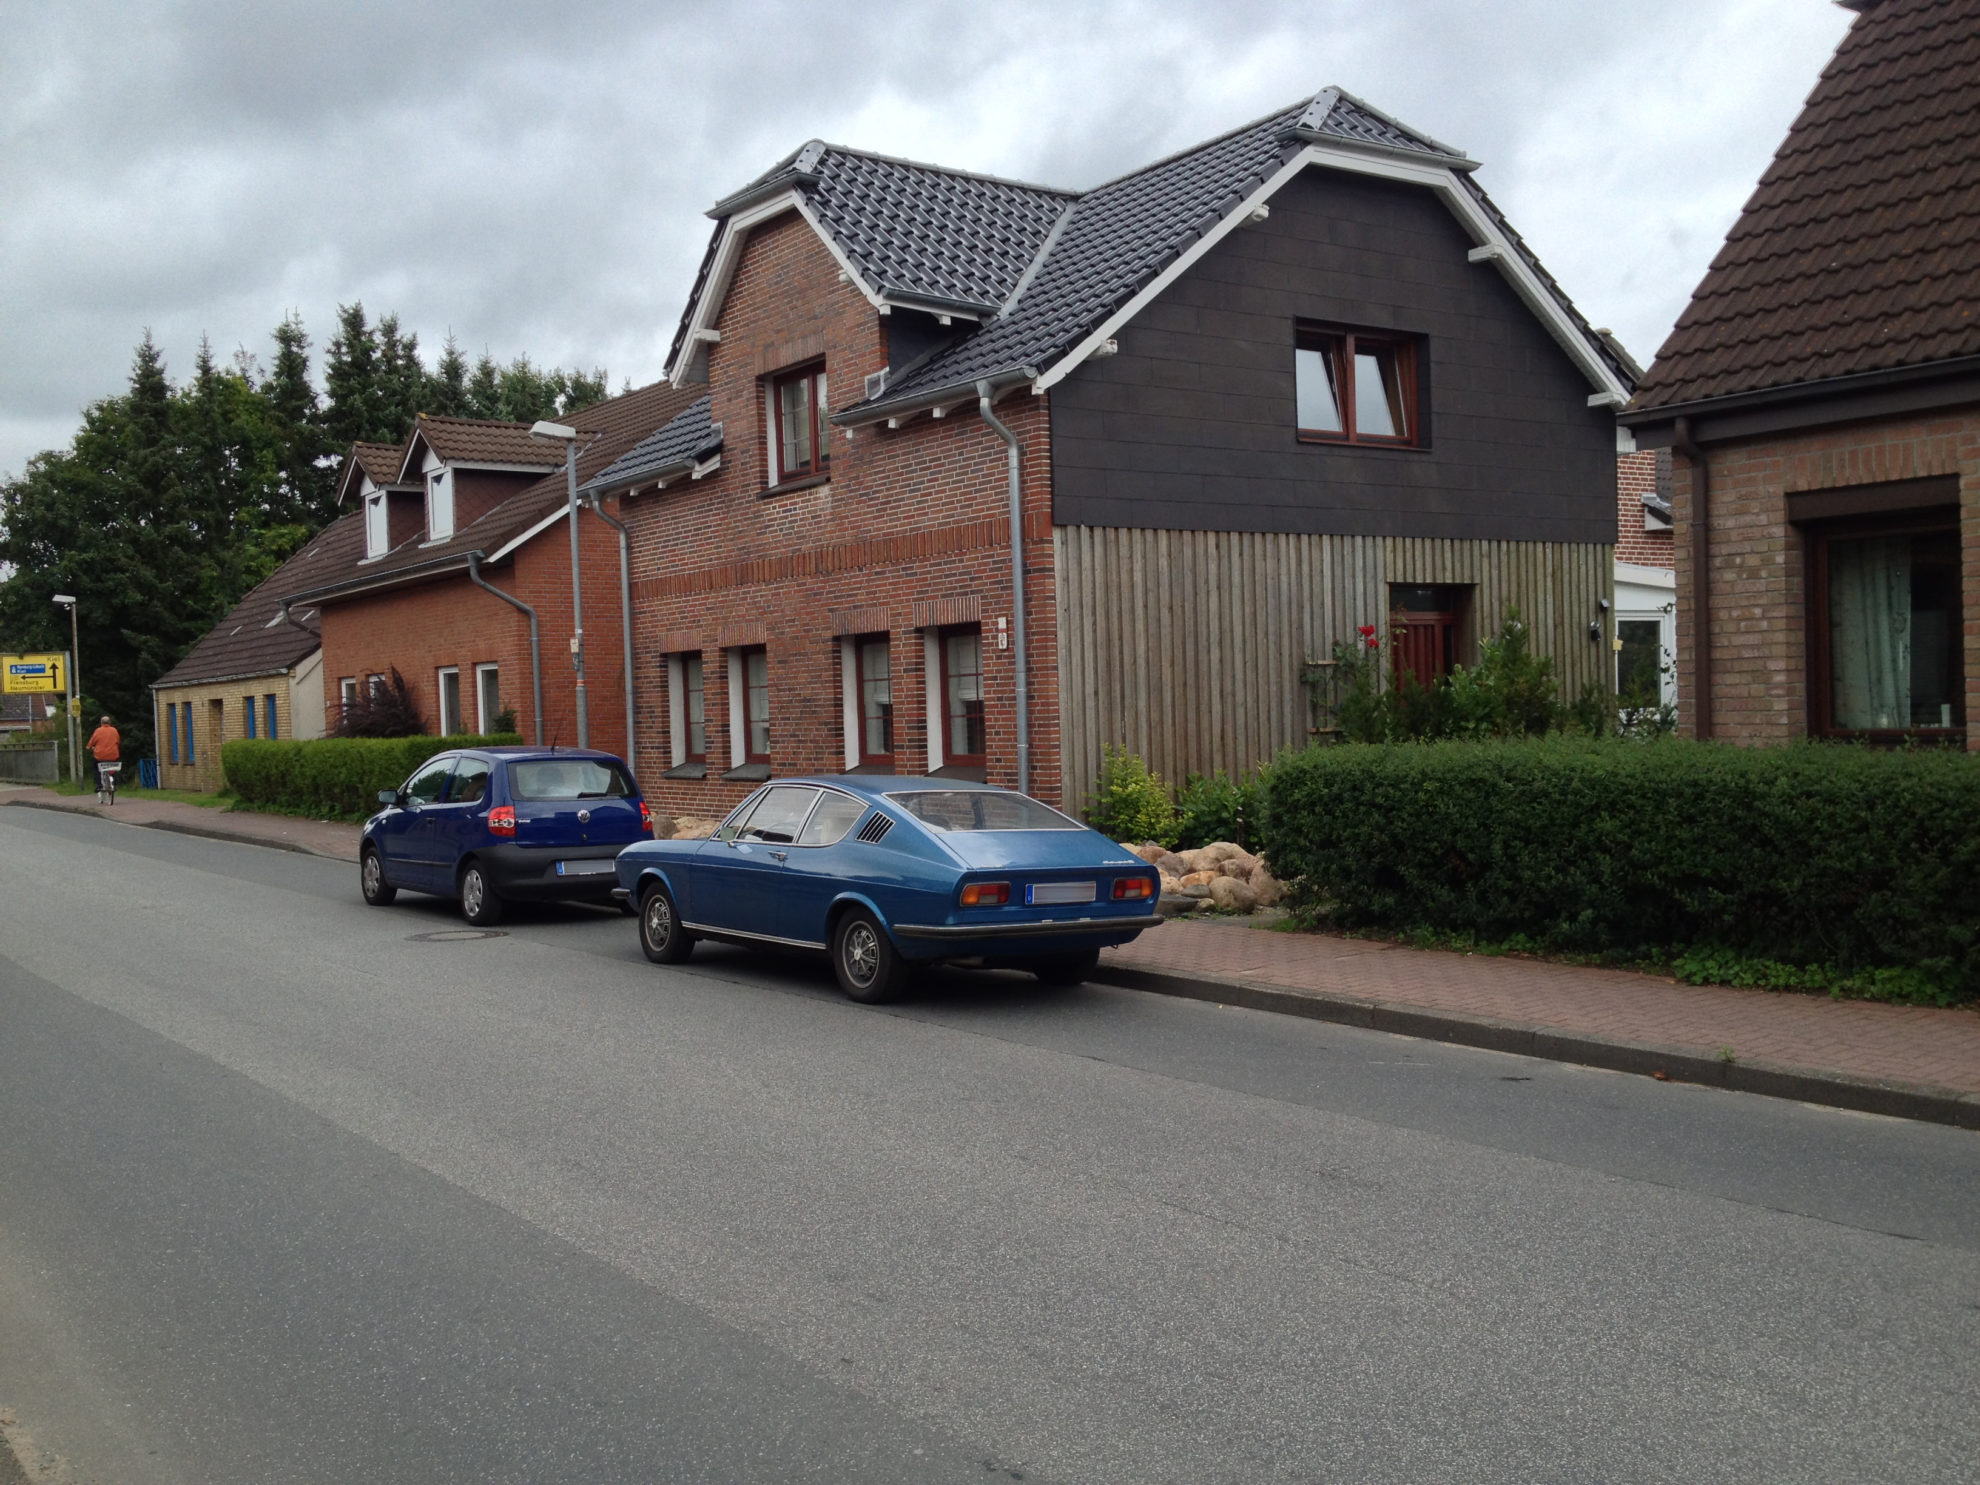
(32,674)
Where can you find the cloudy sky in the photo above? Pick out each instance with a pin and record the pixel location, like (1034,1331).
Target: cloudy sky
(532,178)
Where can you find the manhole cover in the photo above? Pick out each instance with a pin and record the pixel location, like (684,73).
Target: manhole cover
(454,935)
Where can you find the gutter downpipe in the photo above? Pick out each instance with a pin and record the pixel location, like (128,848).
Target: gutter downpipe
(625,611)
(1701,586)
(1017,588)
(535,650)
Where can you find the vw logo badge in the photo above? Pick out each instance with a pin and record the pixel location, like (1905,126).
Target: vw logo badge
(584,817)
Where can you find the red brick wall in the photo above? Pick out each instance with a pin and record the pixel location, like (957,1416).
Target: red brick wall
(452,622)
(910,517)
(1758,600)
(1636,476)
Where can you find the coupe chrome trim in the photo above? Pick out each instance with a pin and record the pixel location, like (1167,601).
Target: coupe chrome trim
(709,930)
(1026,930)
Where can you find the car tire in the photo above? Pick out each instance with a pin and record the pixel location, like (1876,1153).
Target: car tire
(661,936)
(371,878)
(481,904)
(870,970)
(1068,970)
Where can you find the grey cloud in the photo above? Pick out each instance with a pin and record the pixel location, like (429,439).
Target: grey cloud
(534,180)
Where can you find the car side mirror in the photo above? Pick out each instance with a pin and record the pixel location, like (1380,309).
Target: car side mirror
(388,796)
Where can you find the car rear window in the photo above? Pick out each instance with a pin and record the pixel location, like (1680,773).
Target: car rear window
(974,809)
(569,778)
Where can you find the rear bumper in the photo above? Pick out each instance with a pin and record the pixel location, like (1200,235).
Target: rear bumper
(525,872)
(1059,935)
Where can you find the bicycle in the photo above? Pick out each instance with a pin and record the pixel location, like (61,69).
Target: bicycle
(106,775)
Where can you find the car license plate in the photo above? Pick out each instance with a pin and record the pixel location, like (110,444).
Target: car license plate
(1051,894)
(584,868)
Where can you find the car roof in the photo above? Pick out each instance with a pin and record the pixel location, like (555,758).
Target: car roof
(874,785)
(512,753)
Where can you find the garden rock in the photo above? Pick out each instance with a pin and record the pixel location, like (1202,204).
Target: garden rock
(1232,895)
(693,827)
(1267,888)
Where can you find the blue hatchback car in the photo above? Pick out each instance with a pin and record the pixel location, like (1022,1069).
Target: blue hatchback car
(489,824)
(886,873)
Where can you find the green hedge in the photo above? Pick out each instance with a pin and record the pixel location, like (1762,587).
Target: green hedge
(1852,858)
(332,777)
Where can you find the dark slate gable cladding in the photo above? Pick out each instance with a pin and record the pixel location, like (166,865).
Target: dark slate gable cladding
(687,439)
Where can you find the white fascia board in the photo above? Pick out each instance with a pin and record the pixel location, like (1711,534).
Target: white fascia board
(414,445)
(728,252)
(561,513)
(1439,178)
(1646,577)
(535,469)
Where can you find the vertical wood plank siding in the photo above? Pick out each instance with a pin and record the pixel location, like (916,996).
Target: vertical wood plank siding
(1186,646)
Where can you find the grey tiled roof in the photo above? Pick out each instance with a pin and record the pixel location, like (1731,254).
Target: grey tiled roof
(677,445)
(1055,263)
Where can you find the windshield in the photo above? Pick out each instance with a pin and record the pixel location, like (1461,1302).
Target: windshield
(980,809)
(569,778)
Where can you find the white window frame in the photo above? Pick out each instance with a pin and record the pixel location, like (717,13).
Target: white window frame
(377,525)
(931,674)
(439,505)
(849,713)
(346,691)
(738,714)
(485,719)
(440,692)
(677,709)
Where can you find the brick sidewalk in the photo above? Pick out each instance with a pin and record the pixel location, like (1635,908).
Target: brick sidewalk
(316,837)
(1851,1038)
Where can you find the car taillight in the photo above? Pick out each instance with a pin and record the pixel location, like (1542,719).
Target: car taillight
(1127,888)
(986,894)
(502,820)
(645,817)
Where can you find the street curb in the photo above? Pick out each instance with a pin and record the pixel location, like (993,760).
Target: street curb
(207,832)
(1920,1101)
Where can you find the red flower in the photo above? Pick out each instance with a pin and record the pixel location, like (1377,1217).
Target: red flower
(1365,630)
(1374,643)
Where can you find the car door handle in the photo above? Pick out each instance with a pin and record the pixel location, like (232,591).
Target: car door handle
(780,855)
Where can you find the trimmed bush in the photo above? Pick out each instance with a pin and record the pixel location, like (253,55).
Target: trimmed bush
(333,778)
(1130,803)
(1854,859)
(1217,807)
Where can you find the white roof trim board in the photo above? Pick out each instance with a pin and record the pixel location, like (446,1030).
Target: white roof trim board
(1493,248)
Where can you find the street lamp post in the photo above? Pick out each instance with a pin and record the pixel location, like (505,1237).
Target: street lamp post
(66,600)
(568,436)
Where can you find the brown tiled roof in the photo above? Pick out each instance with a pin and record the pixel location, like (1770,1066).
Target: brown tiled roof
(618,423)
(1860,250)
(484,441)
(379,460)
(253,640)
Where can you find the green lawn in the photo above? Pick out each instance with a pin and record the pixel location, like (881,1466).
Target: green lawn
(182,796)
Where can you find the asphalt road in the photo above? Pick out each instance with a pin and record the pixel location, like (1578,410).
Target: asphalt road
(288,1193)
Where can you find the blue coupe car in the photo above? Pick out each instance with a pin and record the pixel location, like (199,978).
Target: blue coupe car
(888,873)
(488,824)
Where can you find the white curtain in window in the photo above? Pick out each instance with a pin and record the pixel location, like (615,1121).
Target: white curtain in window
(1870,632)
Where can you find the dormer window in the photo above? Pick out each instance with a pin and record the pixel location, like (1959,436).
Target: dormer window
(439,506)
(376,539)
(801,446)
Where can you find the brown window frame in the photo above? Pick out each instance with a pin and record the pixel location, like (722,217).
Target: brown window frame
(1342,342)
(861,680)
(820,462)
(693,659)
(743,654)
(1817,537)
(949,755)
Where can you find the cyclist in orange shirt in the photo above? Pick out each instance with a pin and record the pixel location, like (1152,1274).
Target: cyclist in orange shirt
(106,747)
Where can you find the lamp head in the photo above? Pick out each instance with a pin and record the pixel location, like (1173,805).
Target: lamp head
(66,600)
(558,431)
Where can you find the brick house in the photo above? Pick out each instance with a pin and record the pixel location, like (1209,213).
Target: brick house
(257,673)
(461,574)
(1822,394)
(1247,398)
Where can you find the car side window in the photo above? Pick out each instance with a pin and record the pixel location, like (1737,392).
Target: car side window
(470,782)
(424,787)
(780,817)
(732,827)
(835,815)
